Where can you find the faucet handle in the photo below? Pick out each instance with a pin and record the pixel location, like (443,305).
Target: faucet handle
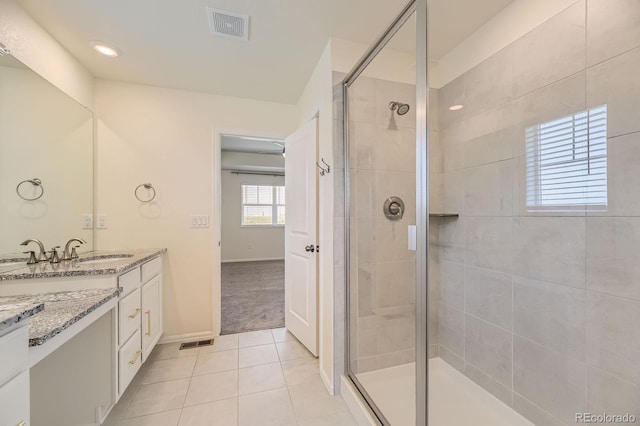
(74,253)
(55,258)
(32,257)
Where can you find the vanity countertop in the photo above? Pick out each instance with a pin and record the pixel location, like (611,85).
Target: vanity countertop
(103,262)
(61,310)
(12,312)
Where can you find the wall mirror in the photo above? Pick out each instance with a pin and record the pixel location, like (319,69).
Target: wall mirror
(46,162)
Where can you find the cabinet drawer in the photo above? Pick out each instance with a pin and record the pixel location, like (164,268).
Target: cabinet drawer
(14,353)
(14,400)
(129,361)
(129,313)
(151,269)
(129,281)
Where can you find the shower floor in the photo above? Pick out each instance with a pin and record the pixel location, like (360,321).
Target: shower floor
(393,391)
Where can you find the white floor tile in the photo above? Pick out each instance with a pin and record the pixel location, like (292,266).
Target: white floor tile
(270,408)
(169,369)
(169,350)
(260,378)
(219,413)
(221,343)
(282,335)
(312,400)
(257,355)
(215,362)
(300,370)
(167,418)
(212,387)
(343,418)
(158,397)
(292,350)
(255,338)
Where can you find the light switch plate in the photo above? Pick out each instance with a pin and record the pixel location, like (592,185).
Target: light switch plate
(87,221)
(102,221)
(199,221)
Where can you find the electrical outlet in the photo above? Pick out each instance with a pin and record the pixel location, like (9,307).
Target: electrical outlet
(199,221)
(87,221)
(102,221)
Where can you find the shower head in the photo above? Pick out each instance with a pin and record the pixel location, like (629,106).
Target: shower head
(399,107)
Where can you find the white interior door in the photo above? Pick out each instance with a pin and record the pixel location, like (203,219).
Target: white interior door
(300,236)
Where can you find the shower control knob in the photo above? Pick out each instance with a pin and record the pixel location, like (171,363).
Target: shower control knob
(310,248)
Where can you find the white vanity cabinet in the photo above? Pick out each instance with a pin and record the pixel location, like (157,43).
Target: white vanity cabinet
(14,376)
(139,318)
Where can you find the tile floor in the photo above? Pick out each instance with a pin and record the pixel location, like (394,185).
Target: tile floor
(259,378)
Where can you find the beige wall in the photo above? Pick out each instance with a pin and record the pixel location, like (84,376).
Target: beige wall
(34,47)
(247,243)
(47,135)
(166,137)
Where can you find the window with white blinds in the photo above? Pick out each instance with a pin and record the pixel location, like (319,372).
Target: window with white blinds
(263,205)
(567,162)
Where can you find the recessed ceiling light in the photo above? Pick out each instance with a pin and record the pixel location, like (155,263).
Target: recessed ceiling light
(105,49)
(457,107)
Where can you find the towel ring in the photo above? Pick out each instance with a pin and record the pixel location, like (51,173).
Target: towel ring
(147,186)
(35,182)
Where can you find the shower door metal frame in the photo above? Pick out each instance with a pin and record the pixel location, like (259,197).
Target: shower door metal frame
(419,7)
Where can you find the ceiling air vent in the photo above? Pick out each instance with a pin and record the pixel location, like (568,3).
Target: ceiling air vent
(228,24)
(3,50)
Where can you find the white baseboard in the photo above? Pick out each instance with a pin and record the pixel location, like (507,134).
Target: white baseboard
(262,259)
(186,337)
(356,405)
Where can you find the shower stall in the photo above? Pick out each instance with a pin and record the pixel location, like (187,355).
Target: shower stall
(492,215)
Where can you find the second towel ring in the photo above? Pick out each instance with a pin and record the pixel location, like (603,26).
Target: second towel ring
(147,186)
(35,182)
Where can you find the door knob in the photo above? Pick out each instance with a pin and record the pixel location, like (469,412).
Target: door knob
(310,248)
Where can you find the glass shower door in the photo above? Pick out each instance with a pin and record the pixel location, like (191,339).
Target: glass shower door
(381,199)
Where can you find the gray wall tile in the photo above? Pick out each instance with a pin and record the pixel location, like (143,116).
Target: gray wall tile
(613,27)
(613,336)
(613,258)
(550,52)
(550,249)
(551,315)
(551,381)
(488,348)
(488,296)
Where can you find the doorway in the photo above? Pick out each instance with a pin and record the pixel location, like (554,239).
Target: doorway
(252,218)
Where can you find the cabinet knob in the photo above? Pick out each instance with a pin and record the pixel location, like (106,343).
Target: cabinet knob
(22,423)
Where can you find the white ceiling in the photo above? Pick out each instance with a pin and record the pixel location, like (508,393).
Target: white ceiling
(167,42)
(233,143)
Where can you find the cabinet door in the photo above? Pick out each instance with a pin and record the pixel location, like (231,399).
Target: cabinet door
(14,400)
(152,315)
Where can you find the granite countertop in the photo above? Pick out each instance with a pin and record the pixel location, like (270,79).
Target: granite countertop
(61,310)
(102,262)
(12,313)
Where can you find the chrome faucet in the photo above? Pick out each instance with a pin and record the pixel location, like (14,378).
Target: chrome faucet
(71,254)
(42,257)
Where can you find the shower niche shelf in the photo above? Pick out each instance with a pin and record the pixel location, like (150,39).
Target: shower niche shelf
(444,215)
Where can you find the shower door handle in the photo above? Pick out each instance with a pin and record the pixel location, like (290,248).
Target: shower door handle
(310,248)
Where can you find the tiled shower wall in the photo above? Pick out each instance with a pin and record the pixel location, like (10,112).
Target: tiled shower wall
(543,309)
(382,164)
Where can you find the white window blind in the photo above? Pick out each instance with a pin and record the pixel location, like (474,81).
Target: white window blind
(567,162)
(263,205)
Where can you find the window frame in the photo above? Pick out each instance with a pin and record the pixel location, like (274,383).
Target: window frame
(587,145)
(274,207)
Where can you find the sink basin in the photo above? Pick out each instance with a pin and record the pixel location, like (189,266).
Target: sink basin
(94,260)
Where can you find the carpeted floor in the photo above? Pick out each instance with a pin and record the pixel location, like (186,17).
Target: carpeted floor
(252,296)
